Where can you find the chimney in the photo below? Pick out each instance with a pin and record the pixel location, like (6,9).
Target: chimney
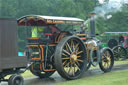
(92,25)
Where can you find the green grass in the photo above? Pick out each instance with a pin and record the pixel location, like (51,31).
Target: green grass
(112,78)
(121,62)
(27,74)
(115,63)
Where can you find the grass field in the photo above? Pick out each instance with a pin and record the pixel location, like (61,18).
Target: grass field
(27,74)
(112,78)
(121,62)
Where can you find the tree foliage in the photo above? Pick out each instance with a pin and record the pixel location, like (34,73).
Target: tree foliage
(65,8)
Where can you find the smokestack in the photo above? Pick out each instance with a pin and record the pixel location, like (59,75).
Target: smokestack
(92,25)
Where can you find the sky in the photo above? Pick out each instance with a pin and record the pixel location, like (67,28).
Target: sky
(118,1)
(109,6)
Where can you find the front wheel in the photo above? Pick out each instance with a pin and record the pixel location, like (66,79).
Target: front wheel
(15,80)
(70,57)
(107,60)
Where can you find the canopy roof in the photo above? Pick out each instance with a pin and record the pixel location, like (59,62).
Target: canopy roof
(38,20)
(114,33)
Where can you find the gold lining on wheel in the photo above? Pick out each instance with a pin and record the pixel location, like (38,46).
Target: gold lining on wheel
(72,57)
(106,59)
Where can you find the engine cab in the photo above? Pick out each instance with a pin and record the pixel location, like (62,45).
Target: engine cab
(40,50)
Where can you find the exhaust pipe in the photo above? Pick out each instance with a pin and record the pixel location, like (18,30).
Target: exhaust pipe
(92,25)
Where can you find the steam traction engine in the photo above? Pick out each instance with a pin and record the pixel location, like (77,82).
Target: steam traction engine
(69,53)
(118,41)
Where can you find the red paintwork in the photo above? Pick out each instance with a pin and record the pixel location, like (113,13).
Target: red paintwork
(48,34)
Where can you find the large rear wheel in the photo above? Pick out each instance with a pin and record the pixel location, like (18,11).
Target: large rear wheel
(70,57)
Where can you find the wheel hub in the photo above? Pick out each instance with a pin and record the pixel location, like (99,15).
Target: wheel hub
(17,82)
(73,57)
(106,59)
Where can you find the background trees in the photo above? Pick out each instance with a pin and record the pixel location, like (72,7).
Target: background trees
(66,8)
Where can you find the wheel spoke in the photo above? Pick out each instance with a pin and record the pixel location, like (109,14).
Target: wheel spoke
(108,56)
(64,62)
(74,69)
(79,52)
(108,53)
(67,65)
(77,49)
(77,66)
(79,60)
(77,45)
(66,52)
(108,64)
(69,47)
(118,48)
(116,55)
(78,56)
(104,64)
(78,63)
(73,47)
(121,50)
(70,68)
(65,58)
(105,54)
(115,52)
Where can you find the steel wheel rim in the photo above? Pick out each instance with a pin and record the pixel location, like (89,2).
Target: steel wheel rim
(72,57)
(106,59)
(119,53)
